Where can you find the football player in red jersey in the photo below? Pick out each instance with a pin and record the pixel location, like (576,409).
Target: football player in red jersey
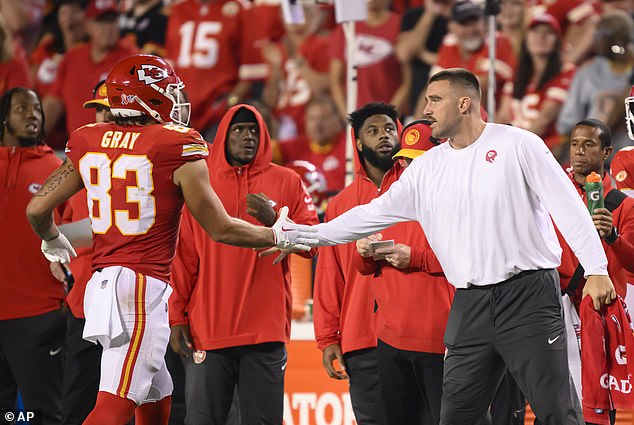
(137,173)
(205,42)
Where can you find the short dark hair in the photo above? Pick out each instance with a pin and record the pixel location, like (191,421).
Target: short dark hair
(134,121)
(5,107)
(605,134)
(358,117)
(457,76)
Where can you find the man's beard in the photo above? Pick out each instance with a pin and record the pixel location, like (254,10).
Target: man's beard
(25,142)
(379,161)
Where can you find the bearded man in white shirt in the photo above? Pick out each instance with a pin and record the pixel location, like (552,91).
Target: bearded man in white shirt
(484,200)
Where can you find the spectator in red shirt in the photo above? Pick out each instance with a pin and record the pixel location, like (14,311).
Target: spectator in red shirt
(540,88)
(324,144)
(298,70)
(68,31)
(577,19)
(380,76)
(144,25)
(465,47)
(205,42)
(14,68)
(422,32)
(85,64)
(511,21)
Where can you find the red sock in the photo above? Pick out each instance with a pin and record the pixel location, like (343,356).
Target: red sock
(157,413)
(110,410)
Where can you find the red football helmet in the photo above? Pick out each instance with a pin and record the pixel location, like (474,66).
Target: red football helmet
(313,180)
(629,113)
(147,85)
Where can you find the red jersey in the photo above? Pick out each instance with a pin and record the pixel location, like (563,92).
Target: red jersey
(46,63)
(27,287)
(378,70)
(270,27)
(294,91)
(15,72)
(526,110)
(80,266)
(330,160)
(204,42)
(228,295)
(77,76)
(622,169)
(478,62)
(567,12)
(134,205)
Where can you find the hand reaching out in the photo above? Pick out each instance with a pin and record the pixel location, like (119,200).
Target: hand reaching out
(289,235)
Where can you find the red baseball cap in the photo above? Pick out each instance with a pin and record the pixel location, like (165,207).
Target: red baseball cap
(546,19)
(416,139)
(98,8)
(100,96)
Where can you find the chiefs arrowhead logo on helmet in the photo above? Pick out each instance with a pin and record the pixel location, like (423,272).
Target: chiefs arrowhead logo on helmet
(151,74)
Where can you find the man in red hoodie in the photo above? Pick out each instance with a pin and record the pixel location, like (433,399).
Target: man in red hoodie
(32,325)
(343,298)
(413,299)
(231,307)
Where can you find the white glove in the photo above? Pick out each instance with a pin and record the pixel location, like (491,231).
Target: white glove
(58,250)
(289,235)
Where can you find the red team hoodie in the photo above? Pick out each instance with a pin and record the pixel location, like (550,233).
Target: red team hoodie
(412,304)
(343,305)
(27,286)
(227,295)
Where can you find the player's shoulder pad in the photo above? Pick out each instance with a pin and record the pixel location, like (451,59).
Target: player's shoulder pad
(191,141)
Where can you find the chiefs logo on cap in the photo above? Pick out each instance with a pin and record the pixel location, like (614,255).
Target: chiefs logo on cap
(411,137)
(151,74)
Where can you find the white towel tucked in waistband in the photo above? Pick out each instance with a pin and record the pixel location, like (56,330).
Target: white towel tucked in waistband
(101,307)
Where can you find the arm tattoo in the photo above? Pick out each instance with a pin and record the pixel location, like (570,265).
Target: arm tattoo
(42,226)
(57,178)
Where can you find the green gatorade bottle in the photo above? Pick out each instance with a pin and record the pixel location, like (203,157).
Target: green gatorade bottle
(594,192)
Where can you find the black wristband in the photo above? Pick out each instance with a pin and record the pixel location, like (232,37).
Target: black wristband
(611,238)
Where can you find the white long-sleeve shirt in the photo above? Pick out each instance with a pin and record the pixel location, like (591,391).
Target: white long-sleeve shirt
(484,209)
